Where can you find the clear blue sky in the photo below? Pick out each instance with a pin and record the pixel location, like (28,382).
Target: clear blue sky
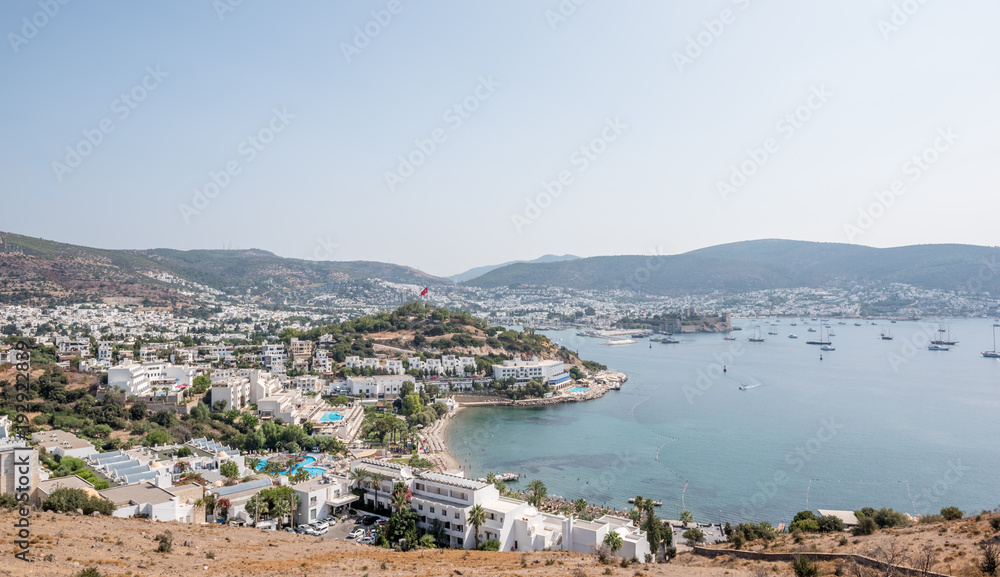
(531,90)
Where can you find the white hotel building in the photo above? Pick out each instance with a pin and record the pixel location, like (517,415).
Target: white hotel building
(551,372)
(138,378)
(516,524)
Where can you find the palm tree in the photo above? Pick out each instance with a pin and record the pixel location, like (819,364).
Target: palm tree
(580,506)
(686,517)
(614,541)
(359,476)
(257,506)
(253,462)
(280,509)
(491,478)
(538,492)
(376,481)
(477,518)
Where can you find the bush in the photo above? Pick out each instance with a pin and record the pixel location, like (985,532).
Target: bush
(866,526)
(830,524)
(89,572)
(490,545)
(804,567)
(166,540)
(694,535)
(738,541)
(995,523)
(8,501)
(991,560)
(951,513)
(671,552)
(933,518)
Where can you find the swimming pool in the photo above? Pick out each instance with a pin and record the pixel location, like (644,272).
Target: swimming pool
(578,390)
(331,416)
(313,471)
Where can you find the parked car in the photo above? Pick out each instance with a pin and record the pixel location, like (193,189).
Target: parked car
(357,533)
(370,520)
(305,530)
(324,524)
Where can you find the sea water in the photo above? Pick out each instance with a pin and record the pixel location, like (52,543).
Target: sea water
(874,423)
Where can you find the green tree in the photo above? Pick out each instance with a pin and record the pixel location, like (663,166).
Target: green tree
(804,567)
(477,518)
(686,517)
(157,437)
(951,513)
(201,384)
(614,541)
(230,470)
(538,492)
(376,479)
(694,536)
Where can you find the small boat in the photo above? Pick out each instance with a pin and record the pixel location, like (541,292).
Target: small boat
(993,354)
(773,331)
(756,338)
(669,341)
(727,338)
(887,335)
(947,341)
(827,348)
(812,330)
(631,499)
(747,387)
(657,503)
(795,324)
(937,348)
(857,324)
(793,336)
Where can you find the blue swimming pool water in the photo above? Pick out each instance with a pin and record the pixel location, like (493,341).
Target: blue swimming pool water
(331,417)
(578,390)
(313,471)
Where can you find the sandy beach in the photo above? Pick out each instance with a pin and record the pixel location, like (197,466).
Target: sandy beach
(437,442)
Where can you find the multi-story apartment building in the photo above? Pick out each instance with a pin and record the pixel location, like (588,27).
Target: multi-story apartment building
(139,378)
(552,372)
(448,499)
(379,386)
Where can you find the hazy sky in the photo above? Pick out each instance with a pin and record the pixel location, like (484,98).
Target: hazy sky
(295,120)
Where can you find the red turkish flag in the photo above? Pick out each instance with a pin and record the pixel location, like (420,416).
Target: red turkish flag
(423,292)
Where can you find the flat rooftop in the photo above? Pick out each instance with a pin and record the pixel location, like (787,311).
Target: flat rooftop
(143,493)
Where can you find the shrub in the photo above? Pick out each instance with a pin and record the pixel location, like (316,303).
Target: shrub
(991,560)
(671,552)
(830,524)
(951,513)
(804,567)
(8,501)
(933,518)
(694,535)
(166,540)
(843,541)
(490,545)
(866,526)
(995,523)
(738,541)
(624,563)
(89,572)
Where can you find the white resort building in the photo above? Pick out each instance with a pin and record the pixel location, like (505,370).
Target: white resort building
(518,526)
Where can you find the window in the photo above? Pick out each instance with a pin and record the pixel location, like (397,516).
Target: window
(456,514)
(458,528)
(312,500)
(312,515)
(444,512)
(432,509)
(420,507)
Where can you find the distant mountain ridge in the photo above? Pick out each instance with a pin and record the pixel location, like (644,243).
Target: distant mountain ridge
(766,264)
(481,270)
(33,268)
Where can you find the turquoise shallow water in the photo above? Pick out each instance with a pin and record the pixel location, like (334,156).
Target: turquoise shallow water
(875,423)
